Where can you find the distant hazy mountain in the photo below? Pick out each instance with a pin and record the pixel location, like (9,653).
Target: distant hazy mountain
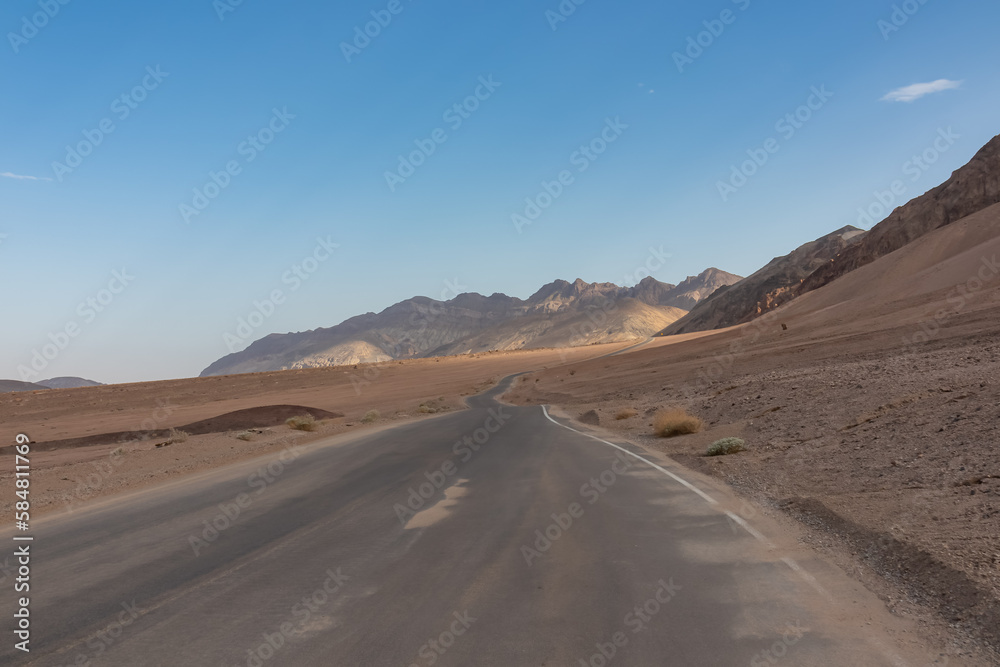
(7,386)
(55,383)
(559,314)
(768,288)
(68,383)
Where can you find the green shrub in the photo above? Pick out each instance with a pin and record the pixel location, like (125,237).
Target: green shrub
(726,446)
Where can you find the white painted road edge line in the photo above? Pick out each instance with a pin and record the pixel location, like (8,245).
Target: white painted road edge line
(741,522)
(794,566)
(679,480)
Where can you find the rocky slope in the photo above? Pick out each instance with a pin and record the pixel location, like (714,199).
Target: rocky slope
(560,314)
(970,189)
(768,288)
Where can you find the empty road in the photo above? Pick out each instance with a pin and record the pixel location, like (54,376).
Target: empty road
(491,536)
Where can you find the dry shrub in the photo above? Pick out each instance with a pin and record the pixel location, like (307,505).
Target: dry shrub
(672,422)
(177,436)
(302,423)
(371,417)
(626,413)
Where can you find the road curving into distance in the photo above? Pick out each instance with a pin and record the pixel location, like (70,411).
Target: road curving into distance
(491,536)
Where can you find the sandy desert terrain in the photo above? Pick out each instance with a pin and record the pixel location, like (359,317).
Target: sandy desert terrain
(96,441)
(870,413)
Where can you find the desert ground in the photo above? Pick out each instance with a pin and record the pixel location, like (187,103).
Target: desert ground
(871,414)
(96,441)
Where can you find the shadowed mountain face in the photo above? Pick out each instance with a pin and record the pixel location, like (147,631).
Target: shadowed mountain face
(768,288)
(560,314)
(970,189)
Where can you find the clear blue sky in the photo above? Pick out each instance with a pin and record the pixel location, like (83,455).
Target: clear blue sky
(323,175)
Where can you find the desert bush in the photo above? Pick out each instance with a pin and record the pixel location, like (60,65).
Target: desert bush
(675,421)
(626,413)
(118,452)
(371,417)
(726,446)
(246,436)
(302,423)
(177,436)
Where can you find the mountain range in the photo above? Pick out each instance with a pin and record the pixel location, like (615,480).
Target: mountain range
(560,314)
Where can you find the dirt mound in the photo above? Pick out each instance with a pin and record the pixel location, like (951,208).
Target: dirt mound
(267,415)
(261,417)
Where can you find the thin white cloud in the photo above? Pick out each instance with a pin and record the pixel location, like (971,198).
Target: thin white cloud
(19,177)
(918,90)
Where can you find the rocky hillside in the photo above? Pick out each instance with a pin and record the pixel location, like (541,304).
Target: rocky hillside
(768,288)
(559,314)
(970,189)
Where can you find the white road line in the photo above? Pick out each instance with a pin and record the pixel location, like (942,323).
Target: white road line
(684,482)
(740,521)
(811,580)
(795,567)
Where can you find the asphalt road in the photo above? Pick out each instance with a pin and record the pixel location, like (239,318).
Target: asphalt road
(531,544)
